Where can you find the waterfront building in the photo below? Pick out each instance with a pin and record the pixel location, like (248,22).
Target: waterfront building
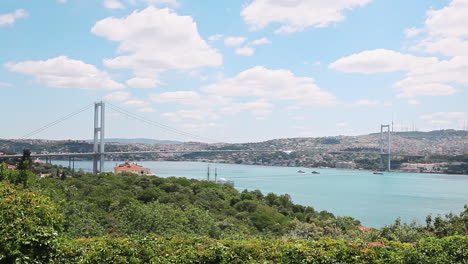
(132,168)
(419,167)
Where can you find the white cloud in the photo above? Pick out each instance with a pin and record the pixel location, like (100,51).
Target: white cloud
(261,41)
(142,82)
(215,38)
(173,3)
(427,76)
(446,30)
(270,84)
(135,103)
(413,32)
(445,115)
(10,18)
(63,72)
(381,60)
(113,4)
(245,51)
(4,84)
(156,40)
(234,41)
(296,15)
(118,96)
(180,97)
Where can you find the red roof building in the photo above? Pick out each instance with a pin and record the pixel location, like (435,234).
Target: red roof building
(11,167)
(132,168)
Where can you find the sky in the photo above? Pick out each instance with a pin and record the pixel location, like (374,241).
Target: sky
(232,71)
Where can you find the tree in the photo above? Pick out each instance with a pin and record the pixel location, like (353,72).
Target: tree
(26,161)
(29,226)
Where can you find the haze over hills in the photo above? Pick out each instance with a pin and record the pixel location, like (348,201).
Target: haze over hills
(451,142)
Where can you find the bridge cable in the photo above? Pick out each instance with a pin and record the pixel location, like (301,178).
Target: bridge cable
(157,124)
(56,122)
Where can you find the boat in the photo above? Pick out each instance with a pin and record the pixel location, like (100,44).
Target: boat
(300,171)
(315,172)
(378,173)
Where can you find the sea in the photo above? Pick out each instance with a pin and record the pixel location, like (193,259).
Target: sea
(376,200)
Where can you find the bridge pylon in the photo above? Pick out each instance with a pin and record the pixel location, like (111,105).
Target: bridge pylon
(99,129)
(385,154)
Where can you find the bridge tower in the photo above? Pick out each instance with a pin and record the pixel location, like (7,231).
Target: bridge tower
(99,128)
(385,155)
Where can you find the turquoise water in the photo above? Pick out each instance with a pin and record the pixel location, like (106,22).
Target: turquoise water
(376,200)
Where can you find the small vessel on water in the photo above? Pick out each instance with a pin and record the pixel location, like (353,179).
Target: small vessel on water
(378,173)
(132,168)
(315,172)
(301,171)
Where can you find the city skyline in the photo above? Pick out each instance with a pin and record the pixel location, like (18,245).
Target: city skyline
(241,71)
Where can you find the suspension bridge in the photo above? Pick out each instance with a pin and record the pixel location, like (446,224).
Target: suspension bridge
(98,154)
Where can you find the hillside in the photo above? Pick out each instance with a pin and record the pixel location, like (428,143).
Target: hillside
(445,142)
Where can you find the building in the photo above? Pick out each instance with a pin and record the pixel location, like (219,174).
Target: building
(419,167)
(345,165)
(11,167)
(132,168)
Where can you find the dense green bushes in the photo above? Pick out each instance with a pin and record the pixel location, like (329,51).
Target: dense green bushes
(29,226)
(111,218)
(203,250)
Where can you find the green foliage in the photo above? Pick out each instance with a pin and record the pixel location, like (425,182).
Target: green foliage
(151,249)
(29,226)
(110,218)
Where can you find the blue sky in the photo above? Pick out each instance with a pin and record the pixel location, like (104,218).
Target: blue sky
(235,71)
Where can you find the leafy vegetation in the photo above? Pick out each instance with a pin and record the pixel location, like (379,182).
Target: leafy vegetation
(127,218)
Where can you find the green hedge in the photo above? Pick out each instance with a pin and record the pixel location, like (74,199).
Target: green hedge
(203,250)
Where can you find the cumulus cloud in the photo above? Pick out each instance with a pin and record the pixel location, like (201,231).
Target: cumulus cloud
(10,18)
(118,96)
(261,41)
(245,51)
(270,84)
(113,4)
(63,72)
(444,33)
(154,40)
(446,30)
(234,41)
(296,15)
(428,76)
(142,82)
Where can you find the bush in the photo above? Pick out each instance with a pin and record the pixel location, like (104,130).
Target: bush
(29,226)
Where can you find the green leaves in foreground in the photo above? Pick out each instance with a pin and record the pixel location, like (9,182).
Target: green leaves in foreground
(29,226)
(204,250)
